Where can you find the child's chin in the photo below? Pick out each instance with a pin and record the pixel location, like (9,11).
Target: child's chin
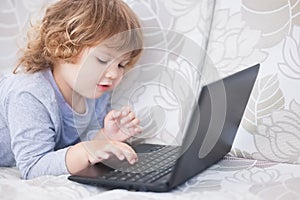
(98,94)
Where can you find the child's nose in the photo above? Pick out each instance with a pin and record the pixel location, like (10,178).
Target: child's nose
(112,71)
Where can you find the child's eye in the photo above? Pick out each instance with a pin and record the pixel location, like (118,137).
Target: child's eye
(102,61)
(121,66)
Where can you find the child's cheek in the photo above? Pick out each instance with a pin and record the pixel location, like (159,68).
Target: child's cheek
(118,81)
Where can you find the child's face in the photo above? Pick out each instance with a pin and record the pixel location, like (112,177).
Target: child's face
(99,69)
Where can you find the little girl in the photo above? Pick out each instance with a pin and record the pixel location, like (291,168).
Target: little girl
(54,109)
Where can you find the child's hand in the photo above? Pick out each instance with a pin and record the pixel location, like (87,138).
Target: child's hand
(100,150)
(83,154)
(121,125)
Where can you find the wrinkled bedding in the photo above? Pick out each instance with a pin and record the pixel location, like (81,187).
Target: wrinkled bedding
(231,178)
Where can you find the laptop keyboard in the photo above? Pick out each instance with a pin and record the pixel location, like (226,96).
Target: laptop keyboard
(149,168)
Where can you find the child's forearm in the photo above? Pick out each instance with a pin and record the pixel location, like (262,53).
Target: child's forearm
(76,158)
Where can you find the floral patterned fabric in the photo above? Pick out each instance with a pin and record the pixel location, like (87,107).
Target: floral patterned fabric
(266,32)
(230,179)
(196,42)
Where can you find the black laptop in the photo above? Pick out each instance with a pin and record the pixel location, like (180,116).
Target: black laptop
(209,135)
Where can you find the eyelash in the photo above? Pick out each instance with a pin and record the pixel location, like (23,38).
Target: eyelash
(105,62)
(121,66)
(102,61)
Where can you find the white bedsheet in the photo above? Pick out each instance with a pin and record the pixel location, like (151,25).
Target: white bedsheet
(232,178)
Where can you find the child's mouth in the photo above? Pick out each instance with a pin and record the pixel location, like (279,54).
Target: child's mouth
(103,87)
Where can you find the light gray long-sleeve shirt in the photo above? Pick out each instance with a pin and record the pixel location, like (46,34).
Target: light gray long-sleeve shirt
(37,125)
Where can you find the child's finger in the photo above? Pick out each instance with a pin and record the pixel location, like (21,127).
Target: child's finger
(129,153)
(114,114)
(125,110)
(135,130)
(133,123)
(116,151)
(138,129)
(127,119)
(101,155)
(130,115)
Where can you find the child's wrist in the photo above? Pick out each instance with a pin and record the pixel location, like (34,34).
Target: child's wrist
(77,158)
(100,135)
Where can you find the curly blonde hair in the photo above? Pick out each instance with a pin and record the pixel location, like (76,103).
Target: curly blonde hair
(69,26)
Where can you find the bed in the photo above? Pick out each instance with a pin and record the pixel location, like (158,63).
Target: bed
(231,178)
(265,157)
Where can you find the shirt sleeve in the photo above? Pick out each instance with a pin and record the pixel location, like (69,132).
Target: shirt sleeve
(33,136)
